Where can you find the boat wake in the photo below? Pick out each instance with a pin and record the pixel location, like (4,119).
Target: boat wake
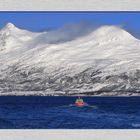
(73,105)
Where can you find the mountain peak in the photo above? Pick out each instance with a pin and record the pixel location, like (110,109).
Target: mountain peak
(10,25)
(113,32)
(109,29)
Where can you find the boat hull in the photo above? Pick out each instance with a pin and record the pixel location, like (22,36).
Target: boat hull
(80,104)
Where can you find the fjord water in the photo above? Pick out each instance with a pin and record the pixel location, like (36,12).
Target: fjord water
(57,113)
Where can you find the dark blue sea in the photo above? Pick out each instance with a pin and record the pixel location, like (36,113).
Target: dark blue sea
(39,112)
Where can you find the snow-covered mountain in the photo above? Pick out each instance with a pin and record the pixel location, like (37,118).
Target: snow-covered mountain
(106,60)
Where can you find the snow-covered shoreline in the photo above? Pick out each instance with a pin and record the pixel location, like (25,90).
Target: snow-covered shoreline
(96,94)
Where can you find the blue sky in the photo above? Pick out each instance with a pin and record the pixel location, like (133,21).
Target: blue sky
(39,21)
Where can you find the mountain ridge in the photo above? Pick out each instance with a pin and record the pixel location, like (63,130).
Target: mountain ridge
(106,59)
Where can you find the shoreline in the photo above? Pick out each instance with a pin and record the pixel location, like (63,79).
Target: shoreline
(88,94)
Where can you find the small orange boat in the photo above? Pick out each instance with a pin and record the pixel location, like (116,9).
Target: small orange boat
(80,103)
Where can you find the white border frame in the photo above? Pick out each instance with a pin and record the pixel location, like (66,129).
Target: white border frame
(69,134)
(70,5)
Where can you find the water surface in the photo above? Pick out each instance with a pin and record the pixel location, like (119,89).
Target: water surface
(56,113)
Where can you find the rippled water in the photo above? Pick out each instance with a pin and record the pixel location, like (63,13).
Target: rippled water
(56,112)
